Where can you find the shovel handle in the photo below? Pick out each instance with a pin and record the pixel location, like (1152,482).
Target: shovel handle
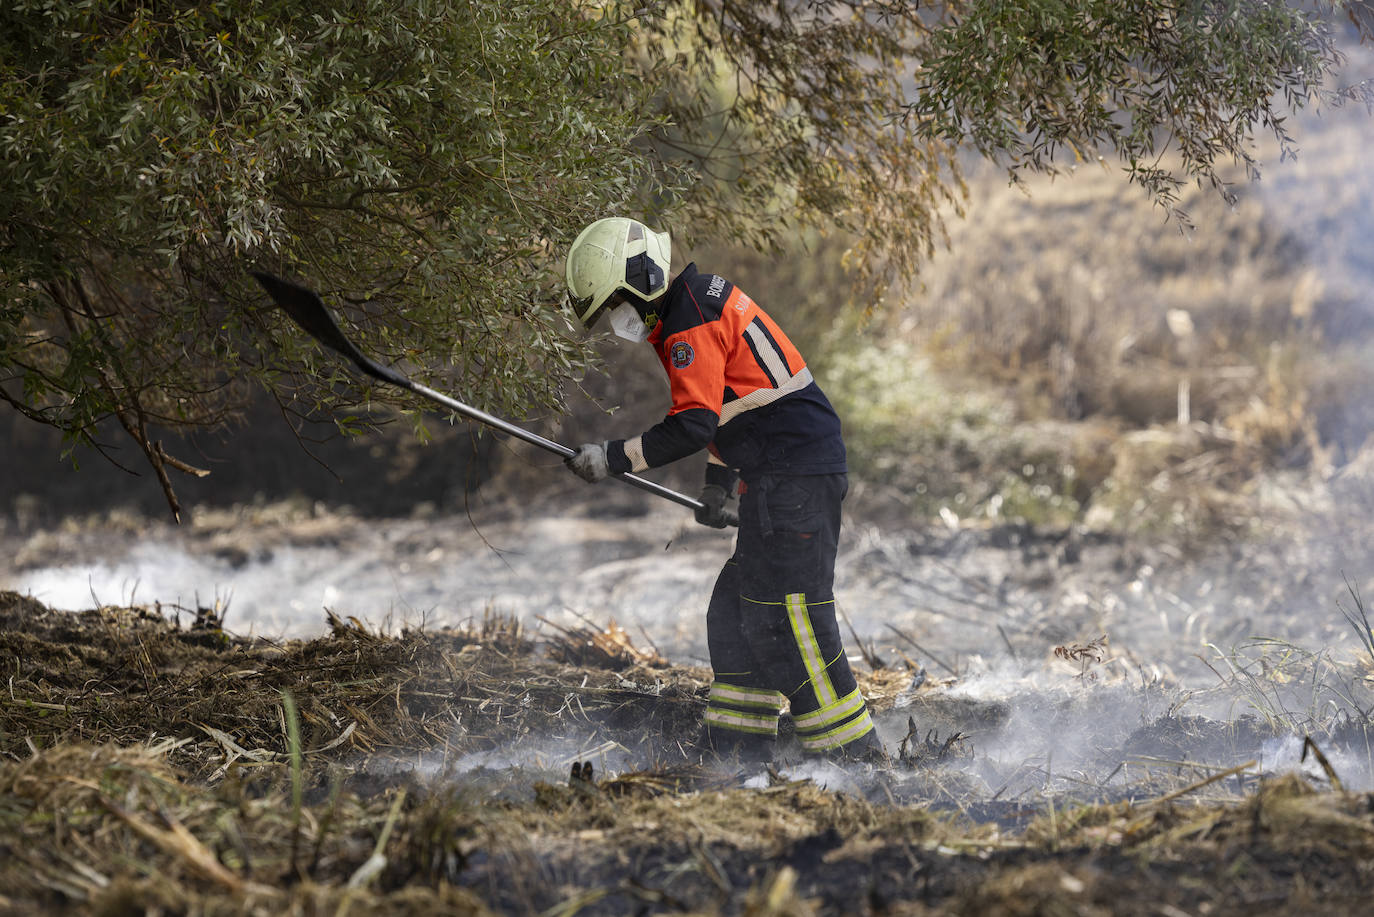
(549,445)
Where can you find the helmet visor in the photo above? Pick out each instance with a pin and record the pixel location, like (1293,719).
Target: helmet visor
(582,303)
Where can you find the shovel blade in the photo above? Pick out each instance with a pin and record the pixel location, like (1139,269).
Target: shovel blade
(307,310)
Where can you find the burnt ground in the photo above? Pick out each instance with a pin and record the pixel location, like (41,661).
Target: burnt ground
(147,765)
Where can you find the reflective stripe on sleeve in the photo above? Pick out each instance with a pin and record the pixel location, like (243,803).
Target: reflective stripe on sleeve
(634,451)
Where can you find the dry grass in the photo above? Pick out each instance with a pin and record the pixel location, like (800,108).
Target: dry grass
(126,676)
(1081,298)
(145,768)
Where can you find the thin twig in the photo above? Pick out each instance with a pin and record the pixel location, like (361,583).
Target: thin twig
(875,663)
(920,649)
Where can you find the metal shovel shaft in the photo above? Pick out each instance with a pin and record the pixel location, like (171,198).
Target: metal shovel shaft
(535,439)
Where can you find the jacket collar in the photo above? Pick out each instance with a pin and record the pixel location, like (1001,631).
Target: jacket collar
(670,298)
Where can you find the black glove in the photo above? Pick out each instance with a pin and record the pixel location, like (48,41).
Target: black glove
(713,511)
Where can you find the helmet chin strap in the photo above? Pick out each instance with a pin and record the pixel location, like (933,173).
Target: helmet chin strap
(642,305)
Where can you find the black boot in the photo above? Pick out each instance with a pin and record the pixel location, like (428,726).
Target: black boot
(739,747)
(866,749)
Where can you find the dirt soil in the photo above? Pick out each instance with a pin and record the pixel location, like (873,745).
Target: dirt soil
(147,767)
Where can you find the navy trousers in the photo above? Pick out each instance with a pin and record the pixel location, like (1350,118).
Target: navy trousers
(771,627)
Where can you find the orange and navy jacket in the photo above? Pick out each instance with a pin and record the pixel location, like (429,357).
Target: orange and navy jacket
(739,387)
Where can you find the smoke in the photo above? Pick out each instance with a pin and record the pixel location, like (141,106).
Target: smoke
(1183,686)
(277,580)
(1354,766)
(1032,734)
(542,756)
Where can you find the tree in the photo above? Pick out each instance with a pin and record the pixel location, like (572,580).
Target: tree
(427,164)
(852,113)
(415,160)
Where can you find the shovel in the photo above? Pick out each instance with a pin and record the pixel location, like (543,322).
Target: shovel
(307,310)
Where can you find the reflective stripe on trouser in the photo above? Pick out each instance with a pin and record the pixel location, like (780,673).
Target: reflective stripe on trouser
(742,712)
(742,709)
(771,624)
(834,726)
(836,720)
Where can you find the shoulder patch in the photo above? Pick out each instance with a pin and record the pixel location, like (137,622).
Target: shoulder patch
(681,355)
(716,286)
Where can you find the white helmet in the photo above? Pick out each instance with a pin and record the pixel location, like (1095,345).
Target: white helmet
(616,254)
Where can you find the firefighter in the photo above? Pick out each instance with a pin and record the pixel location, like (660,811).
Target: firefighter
(742,391)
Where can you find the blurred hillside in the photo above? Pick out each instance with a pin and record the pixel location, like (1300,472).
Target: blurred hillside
(1074,357)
